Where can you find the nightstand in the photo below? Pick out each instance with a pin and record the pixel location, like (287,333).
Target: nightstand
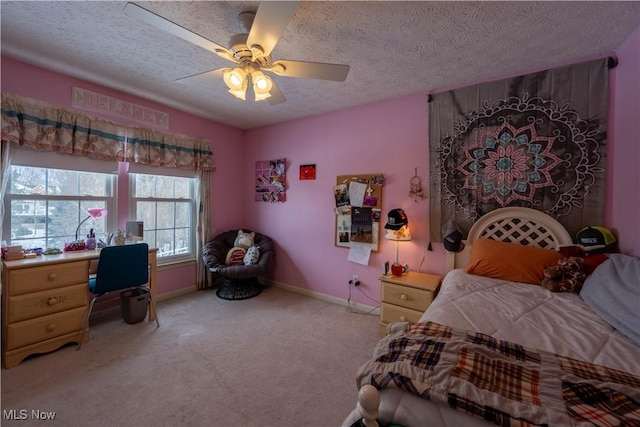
(405,298)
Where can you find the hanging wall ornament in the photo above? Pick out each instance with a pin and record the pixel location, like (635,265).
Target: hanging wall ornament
(416,192)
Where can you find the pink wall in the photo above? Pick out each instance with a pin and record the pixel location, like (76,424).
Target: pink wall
(34,82)
(624,205)
(391,137)
(388,138)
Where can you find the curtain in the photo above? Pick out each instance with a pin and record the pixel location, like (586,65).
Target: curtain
(42,126)
(204,229)
(536,141)
(5,172)
(38,125)
(155,148)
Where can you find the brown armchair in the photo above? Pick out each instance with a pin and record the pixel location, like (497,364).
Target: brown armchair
(239,281)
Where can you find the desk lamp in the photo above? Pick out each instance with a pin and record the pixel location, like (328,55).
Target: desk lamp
(397,229)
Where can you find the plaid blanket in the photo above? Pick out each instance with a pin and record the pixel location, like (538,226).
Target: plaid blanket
(500,381)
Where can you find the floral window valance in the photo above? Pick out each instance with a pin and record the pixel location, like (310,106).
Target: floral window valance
(42,126)
(537,141)
(154,148)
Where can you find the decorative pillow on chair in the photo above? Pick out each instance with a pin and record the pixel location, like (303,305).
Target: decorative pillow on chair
(244,240)
(252,255)
(235,256)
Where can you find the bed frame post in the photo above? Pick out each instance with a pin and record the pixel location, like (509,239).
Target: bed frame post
(368,403)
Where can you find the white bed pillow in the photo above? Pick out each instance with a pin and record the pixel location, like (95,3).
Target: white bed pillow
(613,293)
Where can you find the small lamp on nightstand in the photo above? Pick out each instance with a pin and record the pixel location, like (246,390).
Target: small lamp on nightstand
(397,229)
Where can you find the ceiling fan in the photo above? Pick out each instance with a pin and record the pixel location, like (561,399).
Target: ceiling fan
(251,51)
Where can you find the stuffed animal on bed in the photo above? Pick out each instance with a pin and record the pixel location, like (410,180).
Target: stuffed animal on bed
(567,275)
(243,241)
(590,259)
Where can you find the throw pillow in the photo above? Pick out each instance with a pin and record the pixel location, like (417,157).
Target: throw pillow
(252,255)
(244,240)
(510,261)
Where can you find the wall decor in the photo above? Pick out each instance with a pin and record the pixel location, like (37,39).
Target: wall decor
(270,183)
(93,101)
(358,200)
(307,172)
(535,141)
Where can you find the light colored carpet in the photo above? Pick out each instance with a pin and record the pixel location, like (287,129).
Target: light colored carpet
(280,359)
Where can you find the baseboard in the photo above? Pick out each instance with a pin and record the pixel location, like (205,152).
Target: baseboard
(177,293)
(107,306)
(324,297)
(114,303)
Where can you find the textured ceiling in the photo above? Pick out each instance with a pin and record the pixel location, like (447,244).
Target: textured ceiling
(394,48)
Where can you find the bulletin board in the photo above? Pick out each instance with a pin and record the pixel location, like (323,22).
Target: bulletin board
(358,204)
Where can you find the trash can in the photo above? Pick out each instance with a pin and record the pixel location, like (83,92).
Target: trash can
(133,305)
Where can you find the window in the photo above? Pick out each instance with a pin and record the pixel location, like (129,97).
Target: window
(166,206)
(46,205)
(49,194)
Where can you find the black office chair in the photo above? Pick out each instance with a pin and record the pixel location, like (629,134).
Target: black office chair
(120,268)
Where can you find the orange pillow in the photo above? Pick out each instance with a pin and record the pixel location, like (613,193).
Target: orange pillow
(510,261)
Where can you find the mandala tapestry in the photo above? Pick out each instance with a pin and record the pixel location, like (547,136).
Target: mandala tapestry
(536,141)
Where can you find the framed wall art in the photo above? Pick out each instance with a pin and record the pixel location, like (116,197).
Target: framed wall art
(307,172)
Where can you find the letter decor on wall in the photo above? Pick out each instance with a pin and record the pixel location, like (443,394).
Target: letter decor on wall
(535,141)
(98,102)
(271,181)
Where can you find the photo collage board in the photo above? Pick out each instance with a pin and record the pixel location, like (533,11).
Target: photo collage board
(270,181)
(358,201)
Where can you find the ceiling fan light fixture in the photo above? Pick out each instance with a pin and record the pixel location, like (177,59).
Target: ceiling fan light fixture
(262,85)
(236,81)
(235,78)
(240,93)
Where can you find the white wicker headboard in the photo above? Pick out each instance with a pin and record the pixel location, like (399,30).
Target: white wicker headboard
(526,226)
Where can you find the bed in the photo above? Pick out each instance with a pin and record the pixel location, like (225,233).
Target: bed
(495,351)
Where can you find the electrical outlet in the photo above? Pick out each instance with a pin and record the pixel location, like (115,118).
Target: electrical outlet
(355,281)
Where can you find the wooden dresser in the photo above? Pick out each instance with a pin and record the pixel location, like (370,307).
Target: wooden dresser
(45,300)
(404,298)
(44,303)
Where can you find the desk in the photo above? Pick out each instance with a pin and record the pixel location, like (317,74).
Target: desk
(45,300)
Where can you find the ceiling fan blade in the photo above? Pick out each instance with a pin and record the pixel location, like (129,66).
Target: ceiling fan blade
(269,23)
(204,77)
(276,96)
(310,70)
(144,15)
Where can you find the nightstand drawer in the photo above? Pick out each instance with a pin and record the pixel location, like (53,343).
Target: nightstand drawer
(44,328)
(28,306)
(390,313)
(416,299)
(25,280)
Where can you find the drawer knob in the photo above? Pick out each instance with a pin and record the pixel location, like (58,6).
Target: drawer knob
(51,327)
(403,297)
(403,319)
(53,276)
(52,301)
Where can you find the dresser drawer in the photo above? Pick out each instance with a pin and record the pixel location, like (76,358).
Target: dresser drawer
(25,280)
(43,328)
(28,306)
(390,313)
(416,299)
